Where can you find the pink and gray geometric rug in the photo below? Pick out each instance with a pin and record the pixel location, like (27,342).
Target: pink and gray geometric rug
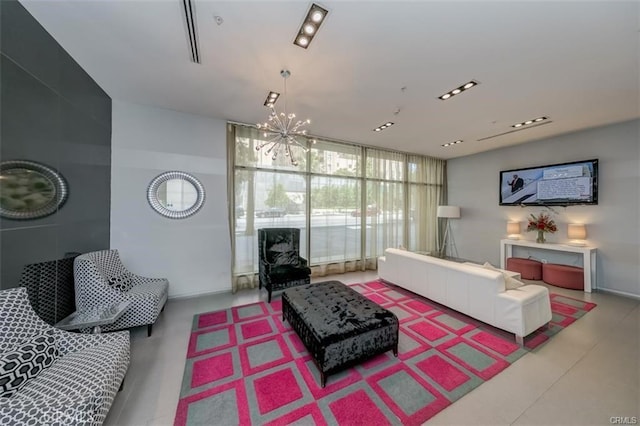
(245,366)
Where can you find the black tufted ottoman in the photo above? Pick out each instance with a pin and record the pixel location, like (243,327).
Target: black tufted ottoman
(339,326)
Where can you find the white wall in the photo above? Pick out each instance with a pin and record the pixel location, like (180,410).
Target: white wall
(193,253)
(613,226)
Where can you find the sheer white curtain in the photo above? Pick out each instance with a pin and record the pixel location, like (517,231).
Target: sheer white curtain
(350,203)
(385,201)
(335,198)
(427,190)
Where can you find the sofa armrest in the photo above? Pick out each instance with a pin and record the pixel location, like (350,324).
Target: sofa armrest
(77,409)
(303,261)
(526,308)
(139,279)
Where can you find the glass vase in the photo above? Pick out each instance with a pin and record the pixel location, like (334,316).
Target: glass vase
(540,238)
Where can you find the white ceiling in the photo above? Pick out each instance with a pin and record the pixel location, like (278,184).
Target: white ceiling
(575,62)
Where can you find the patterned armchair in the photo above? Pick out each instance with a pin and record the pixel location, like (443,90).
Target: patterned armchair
(281,266)
(101,279)
(51,376)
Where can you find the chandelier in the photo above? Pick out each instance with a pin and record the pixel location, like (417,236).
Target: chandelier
(282,129)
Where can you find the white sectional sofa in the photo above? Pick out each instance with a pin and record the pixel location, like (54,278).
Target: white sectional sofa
(474,291)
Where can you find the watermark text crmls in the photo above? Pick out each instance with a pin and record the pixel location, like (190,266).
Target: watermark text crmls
(623,420)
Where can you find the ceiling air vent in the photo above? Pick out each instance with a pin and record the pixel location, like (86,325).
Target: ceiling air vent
(192,33)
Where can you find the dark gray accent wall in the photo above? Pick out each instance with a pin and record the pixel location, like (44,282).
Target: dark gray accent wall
(52,112)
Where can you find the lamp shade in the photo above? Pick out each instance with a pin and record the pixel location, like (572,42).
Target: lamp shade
(577,231)
(450,212)
(513,228)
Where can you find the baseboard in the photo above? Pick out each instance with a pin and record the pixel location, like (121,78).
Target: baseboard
(619,293)
(197,294)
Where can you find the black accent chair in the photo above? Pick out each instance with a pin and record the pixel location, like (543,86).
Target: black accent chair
(281,266)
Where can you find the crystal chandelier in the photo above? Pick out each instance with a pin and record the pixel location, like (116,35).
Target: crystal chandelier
(282,129)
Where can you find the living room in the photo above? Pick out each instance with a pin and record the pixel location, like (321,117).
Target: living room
(134,140)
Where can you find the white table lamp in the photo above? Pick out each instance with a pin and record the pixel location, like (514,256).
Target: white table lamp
(577,234)
(513,230)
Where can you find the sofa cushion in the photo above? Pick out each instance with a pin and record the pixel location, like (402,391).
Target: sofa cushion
(288,272)
(25,362)
(290,257)
(121,282)
(510,283)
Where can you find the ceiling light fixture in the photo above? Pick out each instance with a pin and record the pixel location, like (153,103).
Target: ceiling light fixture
(315,17)
(282,129)
(271,99)
(452,143)
(528,122)
(384,126)
(458,90)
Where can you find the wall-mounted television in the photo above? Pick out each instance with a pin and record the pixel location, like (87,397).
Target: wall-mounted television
(562,184)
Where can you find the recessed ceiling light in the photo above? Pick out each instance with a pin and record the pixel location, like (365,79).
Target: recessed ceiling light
(458,90)
(384,126)
(272,97)
(310,26)
(317,16)
(452,143)
(526,123)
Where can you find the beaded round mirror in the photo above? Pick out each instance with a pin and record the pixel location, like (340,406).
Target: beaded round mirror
(176,195)
(30,190)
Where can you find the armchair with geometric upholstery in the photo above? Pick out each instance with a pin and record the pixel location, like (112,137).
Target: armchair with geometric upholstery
(281,266)
(101,279)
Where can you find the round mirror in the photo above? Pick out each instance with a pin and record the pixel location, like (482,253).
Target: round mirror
(176,195)
(30,190)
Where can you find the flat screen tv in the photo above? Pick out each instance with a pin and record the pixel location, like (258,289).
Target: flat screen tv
(562,184)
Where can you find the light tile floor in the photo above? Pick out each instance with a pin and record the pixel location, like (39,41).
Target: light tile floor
(585,375)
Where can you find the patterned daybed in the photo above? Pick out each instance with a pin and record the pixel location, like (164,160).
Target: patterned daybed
(51,376)
(339,326)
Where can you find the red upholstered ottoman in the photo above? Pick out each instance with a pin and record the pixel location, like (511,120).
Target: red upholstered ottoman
(563,276)
(528,268)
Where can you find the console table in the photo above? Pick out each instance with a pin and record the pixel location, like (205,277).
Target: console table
(588,256)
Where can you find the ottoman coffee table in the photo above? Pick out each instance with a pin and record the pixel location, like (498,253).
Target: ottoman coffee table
(339,326)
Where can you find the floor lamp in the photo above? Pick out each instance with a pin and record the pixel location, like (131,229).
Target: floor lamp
(448,212)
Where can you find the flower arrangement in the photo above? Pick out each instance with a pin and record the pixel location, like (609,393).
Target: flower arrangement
(541,223)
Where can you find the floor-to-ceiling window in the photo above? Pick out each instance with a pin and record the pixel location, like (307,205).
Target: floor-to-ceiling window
(351,202)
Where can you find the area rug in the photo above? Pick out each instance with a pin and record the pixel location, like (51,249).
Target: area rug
(245,366)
